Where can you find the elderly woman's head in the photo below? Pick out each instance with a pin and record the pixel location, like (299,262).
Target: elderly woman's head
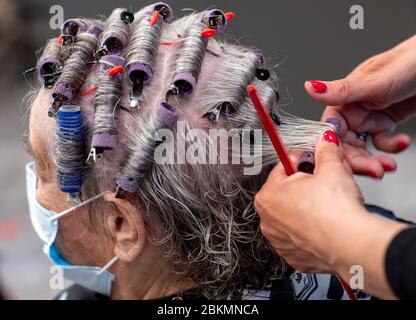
(152,117)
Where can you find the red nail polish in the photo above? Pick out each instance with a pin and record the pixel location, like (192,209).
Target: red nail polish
(318,86)
(331,137)
(402,145)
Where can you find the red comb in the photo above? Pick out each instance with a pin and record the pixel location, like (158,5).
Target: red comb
(271,130)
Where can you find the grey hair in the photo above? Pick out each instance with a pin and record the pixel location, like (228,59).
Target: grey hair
(203,214)
(116,32)
(75,70)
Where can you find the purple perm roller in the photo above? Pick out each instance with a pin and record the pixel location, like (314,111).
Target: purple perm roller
(192,52)
(106,99)
(71,28)
(140,159)
(49,69)
(116,33)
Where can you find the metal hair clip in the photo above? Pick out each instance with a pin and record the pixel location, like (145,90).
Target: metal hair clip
(172,91)
(53,108)
(213,115)
(120,193)
(127,17)
(49,79)
(136,97)
(73,198)
(94,155)
(102,51)
(225,109)
(67,40)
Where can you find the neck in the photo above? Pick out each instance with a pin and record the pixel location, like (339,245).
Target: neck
(151,277)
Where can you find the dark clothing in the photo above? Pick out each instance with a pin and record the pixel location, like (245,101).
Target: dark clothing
(401,264)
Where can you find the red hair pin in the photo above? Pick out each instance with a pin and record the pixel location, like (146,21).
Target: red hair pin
(60,39)
(208,33)
(229,15)
(168,43)
(115,70)
(154,17)
(89,91)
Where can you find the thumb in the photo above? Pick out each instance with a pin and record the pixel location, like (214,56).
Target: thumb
(328,155)
(338,92)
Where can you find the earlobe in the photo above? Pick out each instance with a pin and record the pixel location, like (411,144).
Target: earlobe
(126,227)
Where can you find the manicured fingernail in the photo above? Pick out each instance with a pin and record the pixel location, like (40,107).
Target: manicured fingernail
(318,86)
(331,137)
(403,145)
(374,175)
(306,163)
(335,122)
(389,167)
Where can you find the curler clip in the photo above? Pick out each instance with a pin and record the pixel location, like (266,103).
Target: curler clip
(172,91)
(120,193)
(94,155)
(73,198)
(53,108)
(48,81)
(136,97)
(102,51)
(213,115)
(67,40)
(226,109)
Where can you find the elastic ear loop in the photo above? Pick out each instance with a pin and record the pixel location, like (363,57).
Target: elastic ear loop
(59,215)
(108,265)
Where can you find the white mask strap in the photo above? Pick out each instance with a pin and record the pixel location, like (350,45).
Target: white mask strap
(59,215)
(108,265)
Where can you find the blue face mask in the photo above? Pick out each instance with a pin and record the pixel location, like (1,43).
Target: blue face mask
(45,223)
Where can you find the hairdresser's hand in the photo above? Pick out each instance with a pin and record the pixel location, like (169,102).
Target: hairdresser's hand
(374,98)
(317,223)
(297,212)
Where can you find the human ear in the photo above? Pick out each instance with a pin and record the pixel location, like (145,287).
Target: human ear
(126,226)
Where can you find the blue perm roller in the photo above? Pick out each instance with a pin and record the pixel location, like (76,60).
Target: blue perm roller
(70,151)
